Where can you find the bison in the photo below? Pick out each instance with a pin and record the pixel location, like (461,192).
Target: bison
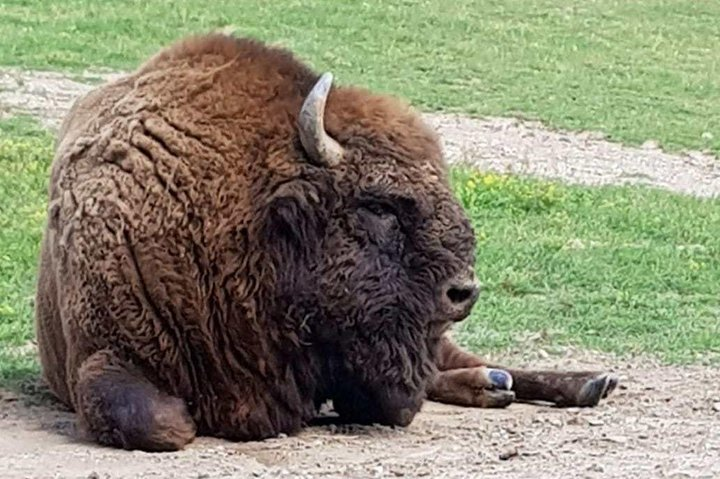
(232,241)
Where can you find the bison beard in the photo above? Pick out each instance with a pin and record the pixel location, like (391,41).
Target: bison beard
(231,241)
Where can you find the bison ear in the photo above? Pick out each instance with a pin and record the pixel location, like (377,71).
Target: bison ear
(295,220)
(320,147)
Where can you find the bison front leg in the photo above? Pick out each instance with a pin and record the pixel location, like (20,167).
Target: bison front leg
(582,389)
(565,389)
(119,407)
(475,386)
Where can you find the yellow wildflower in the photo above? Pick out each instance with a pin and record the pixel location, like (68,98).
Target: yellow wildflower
(489,179)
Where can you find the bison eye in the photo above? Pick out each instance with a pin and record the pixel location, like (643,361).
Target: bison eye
(378,209)
(380,223)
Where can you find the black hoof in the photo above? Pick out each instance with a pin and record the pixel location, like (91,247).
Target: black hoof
(597,388)
(612,383)
(498,398)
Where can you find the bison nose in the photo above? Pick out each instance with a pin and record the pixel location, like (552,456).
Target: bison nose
(459,297)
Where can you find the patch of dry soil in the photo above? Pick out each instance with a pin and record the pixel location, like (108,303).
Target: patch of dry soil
(663,422)
(493,144)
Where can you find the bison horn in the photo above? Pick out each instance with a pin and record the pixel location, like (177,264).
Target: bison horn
(318,144)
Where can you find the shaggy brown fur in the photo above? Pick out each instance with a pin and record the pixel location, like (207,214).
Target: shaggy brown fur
(201,274)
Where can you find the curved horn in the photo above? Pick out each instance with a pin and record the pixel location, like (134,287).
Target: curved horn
(317,143)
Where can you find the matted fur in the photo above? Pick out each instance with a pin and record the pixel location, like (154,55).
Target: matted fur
(200,275)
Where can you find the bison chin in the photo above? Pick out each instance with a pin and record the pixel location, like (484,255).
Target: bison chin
(377,380)
(386,405)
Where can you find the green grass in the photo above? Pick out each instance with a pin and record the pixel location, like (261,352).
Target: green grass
(636,70)
(25,155)
(625,270)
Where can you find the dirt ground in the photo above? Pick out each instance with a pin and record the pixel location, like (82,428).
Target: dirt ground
(662,422)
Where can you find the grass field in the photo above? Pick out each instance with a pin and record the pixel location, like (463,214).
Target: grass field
(25,154)
(628,270)
(618,269)
(637,70)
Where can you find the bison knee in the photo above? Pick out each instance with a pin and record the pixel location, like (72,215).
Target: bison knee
(118,407)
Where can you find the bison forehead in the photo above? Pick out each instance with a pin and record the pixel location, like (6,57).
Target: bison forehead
(381,126)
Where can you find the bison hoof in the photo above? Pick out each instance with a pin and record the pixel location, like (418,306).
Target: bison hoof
(498,398)
(500,379)
(596,389)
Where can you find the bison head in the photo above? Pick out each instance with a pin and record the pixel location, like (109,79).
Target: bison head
(378,256)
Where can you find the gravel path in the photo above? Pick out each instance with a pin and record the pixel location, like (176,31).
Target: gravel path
(492,144)
(663,422)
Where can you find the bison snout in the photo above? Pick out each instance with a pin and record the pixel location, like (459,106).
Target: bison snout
(458,298)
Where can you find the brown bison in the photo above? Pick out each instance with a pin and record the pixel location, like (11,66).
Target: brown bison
(231,242)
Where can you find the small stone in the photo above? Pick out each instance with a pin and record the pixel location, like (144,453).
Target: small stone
(707,135)
(650,145)
(555,422)
(595,422)
(716,407)
(8,396)
(508,453)
(678,473)
(576,421)
(532,453)
(617,439)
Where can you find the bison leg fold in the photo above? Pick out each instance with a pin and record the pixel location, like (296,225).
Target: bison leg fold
(478,387)
(119,407)
(563,388)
